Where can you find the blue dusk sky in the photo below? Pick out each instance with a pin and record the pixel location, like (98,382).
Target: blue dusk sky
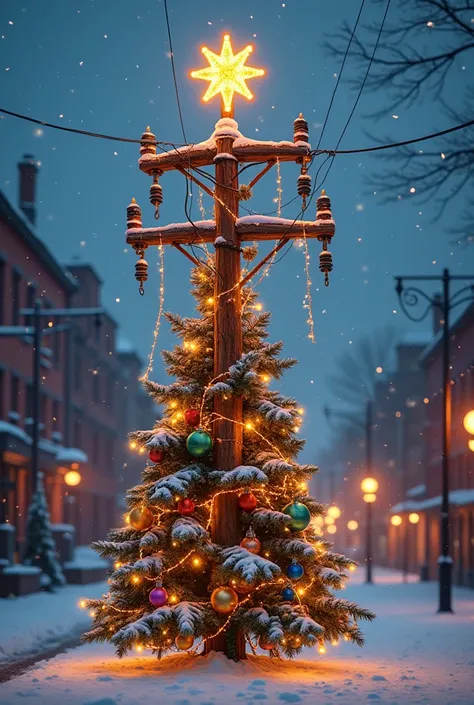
(105,66)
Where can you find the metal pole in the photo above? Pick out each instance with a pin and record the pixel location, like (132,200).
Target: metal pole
(368,464)
(368,578)
(445,560)
(36,394)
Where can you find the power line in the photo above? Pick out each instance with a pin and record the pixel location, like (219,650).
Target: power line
(175,81)
(175,145)
(340,72)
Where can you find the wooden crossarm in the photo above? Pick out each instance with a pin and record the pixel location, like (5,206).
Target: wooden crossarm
(203,155)
(248,228)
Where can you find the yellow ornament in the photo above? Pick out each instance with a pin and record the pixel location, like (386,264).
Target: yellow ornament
(184,641)
(224,600)
(227,74)
(140,518)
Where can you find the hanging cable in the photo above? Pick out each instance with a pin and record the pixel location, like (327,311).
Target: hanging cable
(346,54)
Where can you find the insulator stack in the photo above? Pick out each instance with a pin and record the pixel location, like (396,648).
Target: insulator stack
(303,186)
(325,265)
(156,196)
(141,271)
(134,215)
(147,147)
(300,129)
(324,218)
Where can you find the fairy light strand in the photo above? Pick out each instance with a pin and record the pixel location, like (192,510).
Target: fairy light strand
(156,331)
(307,301)
(279,189)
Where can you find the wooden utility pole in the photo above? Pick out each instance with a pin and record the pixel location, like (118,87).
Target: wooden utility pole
(225,150)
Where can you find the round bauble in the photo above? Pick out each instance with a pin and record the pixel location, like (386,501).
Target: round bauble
(294,642)
(156,455)
(192,417)
(186,506)
(295,571)
(300,515)
(224,600)
(252,544)
(184,641)
(199,444)
(247,501)
(242,587)
(158,597)
(140,518)
(265,644)
(288,594)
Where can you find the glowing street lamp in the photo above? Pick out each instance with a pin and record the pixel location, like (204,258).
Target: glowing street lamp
(369,487)
(396,520)
(352,525)
(72,478)
(469,426)
(334,512)
(413,518)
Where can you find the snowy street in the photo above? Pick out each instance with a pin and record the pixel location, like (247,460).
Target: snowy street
(412,655)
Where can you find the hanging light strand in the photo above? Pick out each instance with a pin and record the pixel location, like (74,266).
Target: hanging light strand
(307,301)
(156,332)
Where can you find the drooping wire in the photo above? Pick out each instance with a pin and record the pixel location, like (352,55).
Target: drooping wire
(346,54)
(173,68)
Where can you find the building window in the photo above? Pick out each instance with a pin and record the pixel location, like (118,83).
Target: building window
(2,291)
(78,433)
(95,448)
(77,365)
(95,386)
(16,303)
(30,301)
(15,393)
(56,421)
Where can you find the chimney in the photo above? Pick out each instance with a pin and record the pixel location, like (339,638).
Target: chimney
(438,321)
(28,170)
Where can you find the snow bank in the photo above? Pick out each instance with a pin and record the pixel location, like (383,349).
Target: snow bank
(42,621)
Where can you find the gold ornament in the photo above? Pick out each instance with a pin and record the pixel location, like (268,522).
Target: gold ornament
(224,600)
(242,587)
(184,641)
(140,518)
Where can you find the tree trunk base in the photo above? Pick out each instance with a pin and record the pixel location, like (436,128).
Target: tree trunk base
(219,644)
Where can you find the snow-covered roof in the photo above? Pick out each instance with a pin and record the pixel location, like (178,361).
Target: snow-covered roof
(416,491)
(16,431)
(416,338)
(71,455)
(458,497)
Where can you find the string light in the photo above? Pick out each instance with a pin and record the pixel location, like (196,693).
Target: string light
(279,189)
(135,579)
(132,445)
(161,268)
(307,301)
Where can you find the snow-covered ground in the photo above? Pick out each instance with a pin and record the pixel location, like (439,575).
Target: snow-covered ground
(412,656)
(44,620)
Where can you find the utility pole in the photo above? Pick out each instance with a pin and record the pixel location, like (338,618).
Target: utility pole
(410,297)
(226,150)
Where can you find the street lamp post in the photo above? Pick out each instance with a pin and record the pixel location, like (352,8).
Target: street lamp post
(37,332)
(410,297)
(369,486)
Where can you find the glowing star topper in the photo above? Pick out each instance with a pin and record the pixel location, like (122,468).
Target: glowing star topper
(227,74)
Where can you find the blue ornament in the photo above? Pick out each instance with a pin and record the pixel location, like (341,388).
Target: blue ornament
(199,444)
(288,594)
(295,571)
(300,515)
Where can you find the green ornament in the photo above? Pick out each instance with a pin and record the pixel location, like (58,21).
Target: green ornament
(199,444)
(299,514)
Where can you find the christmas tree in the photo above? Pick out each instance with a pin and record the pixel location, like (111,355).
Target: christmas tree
(40,547)
(173,587)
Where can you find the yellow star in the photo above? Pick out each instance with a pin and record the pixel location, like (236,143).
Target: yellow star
(227,74)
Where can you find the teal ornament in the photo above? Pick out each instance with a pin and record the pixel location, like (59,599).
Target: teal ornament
(299,514)
(288,594)
(295,571)
(199,444)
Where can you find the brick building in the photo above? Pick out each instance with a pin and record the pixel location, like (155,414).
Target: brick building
(85,413)
(423,497)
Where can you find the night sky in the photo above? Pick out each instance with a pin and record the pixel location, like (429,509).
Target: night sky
(105,67)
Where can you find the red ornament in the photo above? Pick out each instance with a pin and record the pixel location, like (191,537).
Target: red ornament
(247,501)
(192,417)
(156,455)
(186,506)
